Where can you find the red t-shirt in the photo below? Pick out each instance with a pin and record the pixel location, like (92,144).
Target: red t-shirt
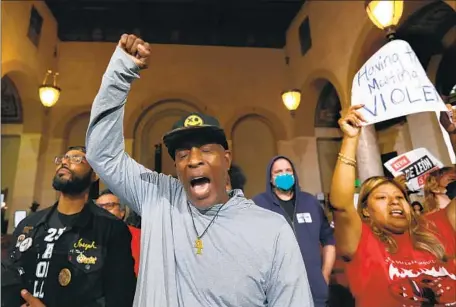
(135,249)
(406,278)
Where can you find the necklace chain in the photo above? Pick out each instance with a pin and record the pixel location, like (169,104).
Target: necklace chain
(211,222)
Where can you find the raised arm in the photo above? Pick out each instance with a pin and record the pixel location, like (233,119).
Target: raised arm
(347,223)
(288,284)
(449,124)
(105,144)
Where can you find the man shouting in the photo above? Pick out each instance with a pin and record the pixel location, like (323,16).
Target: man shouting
(201,246)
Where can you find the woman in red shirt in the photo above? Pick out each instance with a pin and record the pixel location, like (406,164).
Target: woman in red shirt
(394,258)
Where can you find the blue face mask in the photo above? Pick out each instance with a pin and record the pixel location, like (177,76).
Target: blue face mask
(284,182)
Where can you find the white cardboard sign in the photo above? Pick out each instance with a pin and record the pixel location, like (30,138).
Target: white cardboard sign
(416,165)
(392,83)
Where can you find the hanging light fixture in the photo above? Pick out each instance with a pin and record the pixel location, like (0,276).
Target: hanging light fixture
(385,14)
(49,93)
(291,99)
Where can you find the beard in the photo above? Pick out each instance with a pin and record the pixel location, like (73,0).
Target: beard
(73,186)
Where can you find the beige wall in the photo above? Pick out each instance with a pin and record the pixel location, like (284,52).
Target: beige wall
(10,150)
(241,86)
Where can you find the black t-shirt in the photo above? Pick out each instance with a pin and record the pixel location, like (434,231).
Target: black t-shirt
(289,207)
(60,220)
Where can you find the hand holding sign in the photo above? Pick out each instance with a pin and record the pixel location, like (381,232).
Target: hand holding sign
(392,83)
(351,122)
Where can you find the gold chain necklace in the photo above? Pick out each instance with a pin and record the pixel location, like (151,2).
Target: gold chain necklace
(199,241)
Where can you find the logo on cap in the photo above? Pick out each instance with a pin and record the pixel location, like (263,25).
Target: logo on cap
(193,120)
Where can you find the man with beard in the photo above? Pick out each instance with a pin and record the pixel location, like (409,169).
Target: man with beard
(303,212)
(74,253)
(201,246)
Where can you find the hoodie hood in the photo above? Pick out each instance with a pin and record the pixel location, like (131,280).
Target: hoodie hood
(269,186)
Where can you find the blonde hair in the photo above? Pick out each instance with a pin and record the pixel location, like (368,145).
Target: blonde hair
(430,186)
(421,231)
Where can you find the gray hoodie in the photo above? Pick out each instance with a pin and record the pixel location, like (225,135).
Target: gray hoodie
(250,256)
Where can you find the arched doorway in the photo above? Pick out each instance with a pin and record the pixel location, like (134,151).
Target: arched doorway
(430,32)
(254,144)
(327,113)
(11,114)
(328,108)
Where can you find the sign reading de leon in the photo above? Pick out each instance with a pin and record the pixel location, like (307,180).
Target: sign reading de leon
(392,83)
(416,165)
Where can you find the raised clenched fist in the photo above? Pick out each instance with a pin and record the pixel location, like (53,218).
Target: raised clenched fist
(351,122)
(138,49)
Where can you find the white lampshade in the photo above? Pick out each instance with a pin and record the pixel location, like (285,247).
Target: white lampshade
(384,13)
(49,95)
(291,99)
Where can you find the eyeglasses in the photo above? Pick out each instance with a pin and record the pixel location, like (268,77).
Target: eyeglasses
(108,206)
(74,159)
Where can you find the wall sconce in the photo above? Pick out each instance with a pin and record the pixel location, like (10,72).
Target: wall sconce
(385,14)
(49,93)
(291,99)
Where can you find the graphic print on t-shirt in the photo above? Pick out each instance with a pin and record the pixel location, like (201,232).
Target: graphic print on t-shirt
(42,267)
(414,282)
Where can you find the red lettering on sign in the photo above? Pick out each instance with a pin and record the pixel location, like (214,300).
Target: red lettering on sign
(422,179)
(400,163)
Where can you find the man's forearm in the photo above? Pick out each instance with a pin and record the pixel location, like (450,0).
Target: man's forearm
(329,257)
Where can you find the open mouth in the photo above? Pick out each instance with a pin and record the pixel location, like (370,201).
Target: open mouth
(200,186)
(397,213)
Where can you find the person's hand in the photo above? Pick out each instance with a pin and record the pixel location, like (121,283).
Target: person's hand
(136,48)
(401,180)
(351,122)
(448,118)
(30,300)
(326,278)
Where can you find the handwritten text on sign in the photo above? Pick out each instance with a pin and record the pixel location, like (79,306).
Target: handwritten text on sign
(416,165)
(392,83)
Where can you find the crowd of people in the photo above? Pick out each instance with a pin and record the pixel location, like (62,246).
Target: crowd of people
(196,240)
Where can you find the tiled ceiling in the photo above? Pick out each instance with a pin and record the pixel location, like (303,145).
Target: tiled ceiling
(244,23)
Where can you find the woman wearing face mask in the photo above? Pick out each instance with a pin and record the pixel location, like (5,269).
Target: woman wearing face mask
(435,188)
(393,257)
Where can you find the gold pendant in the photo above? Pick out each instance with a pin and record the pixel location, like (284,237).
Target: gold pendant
(199,246)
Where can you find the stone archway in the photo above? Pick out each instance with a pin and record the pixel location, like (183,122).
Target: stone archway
(305,119)
(150,127)
(75,130)
(254,144)
(21,136)
(429,31)
(327,112)
(326,116)
(11,102)
(11,114)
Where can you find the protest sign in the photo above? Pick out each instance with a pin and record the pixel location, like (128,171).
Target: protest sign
(416,165)
(392,83)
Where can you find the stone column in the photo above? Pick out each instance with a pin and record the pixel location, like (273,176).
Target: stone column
(403,140)
(303,152)
(426,132)
(368,154)
(24,183)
